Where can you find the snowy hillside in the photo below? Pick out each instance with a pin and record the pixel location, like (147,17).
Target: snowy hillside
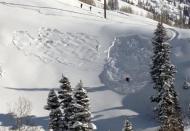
(42,39)
(176,13)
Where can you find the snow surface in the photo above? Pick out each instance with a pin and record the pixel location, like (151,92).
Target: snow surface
(42,39)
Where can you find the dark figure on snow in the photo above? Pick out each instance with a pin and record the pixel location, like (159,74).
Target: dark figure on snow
(127,79)
(81,5)
(90,8)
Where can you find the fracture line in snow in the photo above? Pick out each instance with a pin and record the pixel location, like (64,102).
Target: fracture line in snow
(109,49)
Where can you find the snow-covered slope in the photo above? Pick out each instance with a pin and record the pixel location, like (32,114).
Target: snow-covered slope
(42,39)
(135,9)
(175,11)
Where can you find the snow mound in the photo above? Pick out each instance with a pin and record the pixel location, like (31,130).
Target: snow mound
(129,57)
(51,45)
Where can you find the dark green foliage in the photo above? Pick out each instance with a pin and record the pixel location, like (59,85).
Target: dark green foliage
(70,110)
(163,76)
(55,116)
(82,114)
(66,102)
(65,92)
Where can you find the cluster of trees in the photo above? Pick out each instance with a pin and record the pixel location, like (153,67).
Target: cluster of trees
(126,9)
(69,110)
(113,4)
(184,17)
(180,20)
(167,18)
(90,2)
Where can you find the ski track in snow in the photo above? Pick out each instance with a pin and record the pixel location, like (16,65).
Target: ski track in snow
(50,8)
(173,34)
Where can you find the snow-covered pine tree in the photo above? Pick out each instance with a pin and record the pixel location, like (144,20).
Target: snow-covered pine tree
(82,115)
(163,76)
(66,102)
(170,113)
(55,116)
(65,92)
(127,126)
(81,96)
(158,39)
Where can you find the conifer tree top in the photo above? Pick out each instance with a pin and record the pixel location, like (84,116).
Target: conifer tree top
(52,102)
(80,88)
(160,34)
(64,79)
(65,84)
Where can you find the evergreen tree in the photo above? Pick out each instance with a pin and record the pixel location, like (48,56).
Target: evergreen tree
(81,96)
(82,112)
(55,116)
(127,126)
(65,92)
(163,76)
(66,102)
(159,38)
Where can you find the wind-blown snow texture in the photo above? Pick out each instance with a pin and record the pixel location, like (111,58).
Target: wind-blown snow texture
(41,39)
(52,45)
